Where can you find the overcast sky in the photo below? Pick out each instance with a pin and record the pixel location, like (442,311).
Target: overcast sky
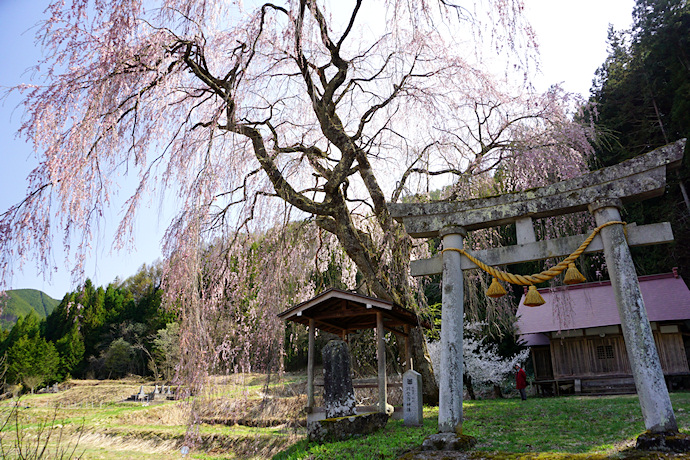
(572,37)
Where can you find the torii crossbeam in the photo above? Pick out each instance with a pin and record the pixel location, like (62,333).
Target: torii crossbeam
(602,193)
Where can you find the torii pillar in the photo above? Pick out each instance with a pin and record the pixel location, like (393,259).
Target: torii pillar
(601,192)
(450,386)
(639,340)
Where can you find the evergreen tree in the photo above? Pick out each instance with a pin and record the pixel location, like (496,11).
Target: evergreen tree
(88,321)
(32,361)
(27,326)
(118,358)
(70,348)
(642,97)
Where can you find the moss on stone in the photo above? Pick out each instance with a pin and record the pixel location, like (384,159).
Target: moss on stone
(667,441)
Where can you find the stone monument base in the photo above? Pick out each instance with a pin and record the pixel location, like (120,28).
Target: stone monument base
(665,441)
(319,413)
(448,442)
(337,429)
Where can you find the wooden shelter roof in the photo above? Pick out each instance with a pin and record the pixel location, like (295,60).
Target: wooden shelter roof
(339,311)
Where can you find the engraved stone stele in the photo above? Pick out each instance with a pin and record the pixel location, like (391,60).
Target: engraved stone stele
(412,398)
(341,420)
(338,392)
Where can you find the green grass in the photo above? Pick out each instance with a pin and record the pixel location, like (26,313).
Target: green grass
(567,425)
(89,415)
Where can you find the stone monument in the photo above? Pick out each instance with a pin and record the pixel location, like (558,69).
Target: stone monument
(338,393)
(412,398)
(341,420)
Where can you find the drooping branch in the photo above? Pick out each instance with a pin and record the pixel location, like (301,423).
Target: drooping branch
(281,186)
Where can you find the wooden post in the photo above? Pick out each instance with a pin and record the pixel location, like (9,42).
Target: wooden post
(381,357)
(408,348)
(310,367)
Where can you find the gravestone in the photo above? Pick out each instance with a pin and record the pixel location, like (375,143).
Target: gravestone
(156,390)
(338,392)
(412,398)
(141,394)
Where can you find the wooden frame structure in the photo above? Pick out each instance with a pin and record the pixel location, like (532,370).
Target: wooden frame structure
(342,312)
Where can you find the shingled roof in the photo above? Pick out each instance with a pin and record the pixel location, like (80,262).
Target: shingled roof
(666,298)
(339,311)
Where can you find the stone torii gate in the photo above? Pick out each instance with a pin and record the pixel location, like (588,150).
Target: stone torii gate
(602,193)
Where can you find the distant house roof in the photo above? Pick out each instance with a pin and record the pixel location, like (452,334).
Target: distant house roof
(666,298)
(339,311)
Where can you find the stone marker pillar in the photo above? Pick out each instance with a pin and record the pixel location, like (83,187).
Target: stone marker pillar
(338,393)
(639,340)
(412,398)
(141,394)
(450,381)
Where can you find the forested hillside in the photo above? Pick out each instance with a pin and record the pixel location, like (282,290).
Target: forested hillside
(20,302)
(642,101)
(95,332)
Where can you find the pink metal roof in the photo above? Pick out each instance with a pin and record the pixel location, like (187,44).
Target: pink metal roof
(666,298)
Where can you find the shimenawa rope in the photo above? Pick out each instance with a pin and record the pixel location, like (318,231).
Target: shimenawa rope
(546,275)
(532,297)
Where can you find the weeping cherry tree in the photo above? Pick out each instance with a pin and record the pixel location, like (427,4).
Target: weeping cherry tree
(251,116)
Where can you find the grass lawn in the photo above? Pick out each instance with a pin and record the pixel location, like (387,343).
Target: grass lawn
(243,418)
(601,427)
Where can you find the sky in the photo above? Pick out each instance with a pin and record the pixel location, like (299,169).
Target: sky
(572,39)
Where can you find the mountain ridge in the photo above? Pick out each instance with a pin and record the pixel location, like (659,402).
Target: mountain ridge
(20,302)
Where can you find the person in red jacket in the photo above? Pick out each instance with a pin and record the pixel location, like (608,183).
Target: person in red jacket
(521,381)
